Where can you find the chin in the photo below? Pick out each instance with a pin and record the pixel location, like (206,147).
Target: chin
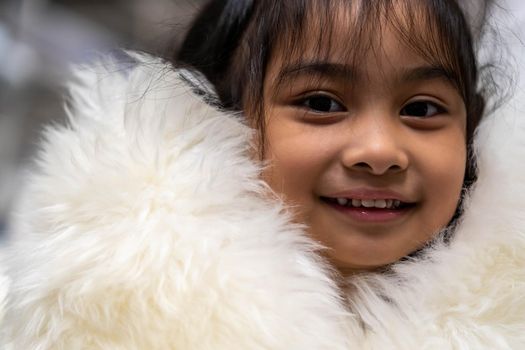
(366,259)
(348,268)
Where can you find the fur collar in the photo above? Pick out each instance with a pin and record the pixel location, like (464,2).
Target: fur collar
(144,226)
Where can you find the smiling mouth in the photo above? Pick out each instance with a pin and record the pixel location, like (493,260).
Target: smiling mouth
(369,210)
(387,203)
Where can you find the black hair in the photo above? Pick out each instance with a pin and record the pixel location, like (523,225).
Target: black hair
(232,41)
(212,40)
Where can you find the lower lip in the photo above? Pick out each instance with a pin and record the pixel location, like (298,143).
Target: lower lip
(371,215)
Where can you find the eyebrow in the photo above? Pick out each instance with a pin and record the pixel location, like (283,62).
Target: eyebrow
(431,72)
(317,68)
(350,73)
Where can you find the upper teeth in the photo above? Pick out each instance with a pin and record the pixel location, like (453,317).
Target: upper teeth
(369,203)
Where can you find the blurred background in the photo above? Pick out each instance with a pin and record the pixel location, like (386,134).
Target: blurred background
(39,39)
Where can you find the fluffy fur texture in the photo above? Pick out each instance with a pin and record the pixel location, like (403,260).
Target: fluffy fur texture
(144,226)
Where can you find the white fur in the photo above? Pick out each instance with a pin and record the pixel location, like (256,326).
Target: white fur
(144,226)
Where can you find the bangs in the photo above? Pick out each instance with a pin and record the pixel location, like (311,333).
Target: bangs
(323,29)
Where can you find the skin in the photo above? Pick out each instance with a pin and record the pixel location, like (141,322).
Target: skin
(353,126)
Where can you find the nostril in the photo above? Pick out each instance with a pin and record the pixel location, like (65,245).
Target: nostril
(365,166)
(362,165)
(395,167)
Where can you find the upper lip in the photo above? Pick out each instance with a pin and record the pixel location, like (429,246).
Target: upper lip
(369,193)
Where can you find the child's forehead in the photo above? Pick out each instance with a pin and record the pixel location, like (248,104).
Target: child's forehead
(349,32)
(354,32)
(349,46)
(343,41)
(388,66)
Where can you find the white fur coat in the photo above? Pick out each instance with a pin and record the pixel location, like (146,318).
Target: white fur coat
(144,226)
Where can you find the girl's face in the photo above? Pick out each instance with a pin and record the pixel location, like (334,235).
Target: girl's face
(371,156)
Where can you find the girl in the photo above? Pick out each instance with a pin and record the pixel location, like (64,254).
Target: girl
(307,212)
(321,81)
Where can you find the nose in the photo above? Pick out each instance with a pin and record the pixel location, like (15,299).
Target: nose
(376,147)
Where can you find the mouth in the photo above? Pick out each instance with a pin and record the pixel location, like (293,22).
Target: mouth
(370,210)
(380,203)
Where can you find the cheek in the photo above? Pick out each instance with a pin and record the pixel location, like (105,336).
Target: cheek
(442,168)
(296,160)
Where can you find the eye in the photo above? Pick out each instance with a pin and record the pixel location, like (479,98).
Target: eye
(422,109)
(321,104)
